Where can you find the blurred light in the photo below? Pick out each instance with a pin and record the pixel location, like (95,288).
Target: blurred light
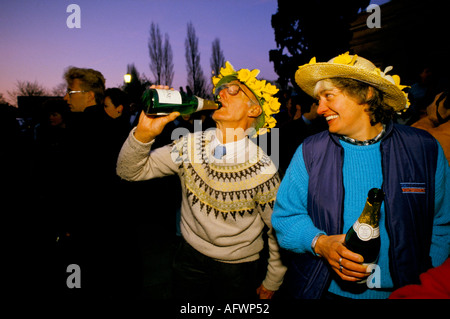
(127,78)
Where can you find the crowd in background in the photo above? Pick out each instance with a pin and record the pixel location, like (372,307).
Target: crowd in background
(64,164)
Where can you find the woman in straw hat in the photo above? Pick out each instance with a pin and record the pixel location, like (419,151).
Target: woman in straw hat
(326,185)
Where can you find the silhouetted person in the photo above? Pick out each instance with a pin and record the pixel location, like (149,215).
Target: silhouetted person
(436,122)
(10,159)
(304,122)
(420,95)
(84,215)
(50,160)
(115,128)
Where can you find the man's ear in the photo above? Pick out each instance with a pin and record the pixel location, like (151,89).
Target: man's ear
(91,97)
(254,111)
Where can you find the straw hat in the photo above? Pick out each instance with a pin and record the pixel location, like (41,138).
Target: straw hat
(357,68)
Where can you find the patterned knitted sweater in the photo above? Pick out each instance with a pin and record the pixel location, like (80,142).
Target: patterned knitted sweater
(225,203)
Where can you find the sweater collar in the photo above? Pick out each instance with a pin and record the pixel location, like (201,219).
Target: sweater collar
(234,150)
(366,142)
(387,129)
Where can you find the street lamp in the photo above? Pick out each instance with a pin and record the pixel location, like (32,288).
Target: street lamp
(127,78)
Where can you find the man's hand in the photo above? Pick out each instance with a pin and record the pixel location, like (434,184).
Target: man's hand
(347,264)
(151,126)
(264,293)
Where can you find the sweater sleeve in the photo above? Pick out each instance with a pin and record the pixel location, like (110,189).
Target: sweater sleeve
(294,228)
(440,240)
(275,268)
(137,162)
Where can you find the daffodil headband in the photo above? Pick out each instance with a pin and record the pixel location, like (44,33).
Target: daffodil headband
(357,68)
(262,90)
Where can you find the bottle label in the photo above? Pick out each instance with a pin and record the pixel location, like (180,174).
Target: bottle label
(366,232)
(169,96)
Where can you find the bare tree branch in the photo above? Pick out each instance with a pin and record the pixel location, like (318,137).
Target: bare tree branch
(217,58)
(168,72)
(196,80)
(155,52)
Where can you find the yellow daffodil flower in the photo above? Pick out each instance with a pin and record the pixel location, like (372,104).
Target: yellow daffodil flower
(345,59)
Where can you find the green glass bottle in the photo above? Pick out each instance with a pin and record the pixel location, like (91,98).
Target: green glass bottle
(163,102)
(364,236)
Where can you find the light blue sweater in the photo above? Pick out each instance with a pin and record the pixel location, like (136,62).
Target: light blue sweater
(361,172)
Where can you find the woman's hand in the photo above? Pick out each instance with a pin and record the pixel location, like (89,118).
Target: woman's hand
(347,264)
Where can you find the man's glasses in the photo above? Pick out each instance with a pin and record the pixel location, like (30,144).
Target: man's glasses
(70,92)
(232,89)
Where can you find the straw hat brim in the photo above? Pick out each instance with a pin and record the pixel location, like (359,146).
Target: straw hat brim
(308,75)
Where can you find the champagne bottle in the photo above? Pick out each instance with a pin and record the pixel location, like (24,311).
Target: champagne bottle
(163,102)
(364,236)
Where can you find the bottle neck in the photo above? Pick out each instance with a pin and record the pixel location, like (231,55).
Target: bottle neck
(204,104)
(370,214)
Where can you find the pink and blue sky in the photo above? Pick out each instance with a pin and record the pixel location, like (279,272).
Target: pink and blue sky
(37,45)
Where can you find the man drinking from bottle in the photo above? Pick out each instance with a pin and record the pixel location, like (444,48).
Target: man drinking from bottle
(228,190)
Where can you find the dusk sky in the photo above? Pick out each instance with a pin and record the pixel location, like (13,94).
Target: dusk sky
(37,45)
